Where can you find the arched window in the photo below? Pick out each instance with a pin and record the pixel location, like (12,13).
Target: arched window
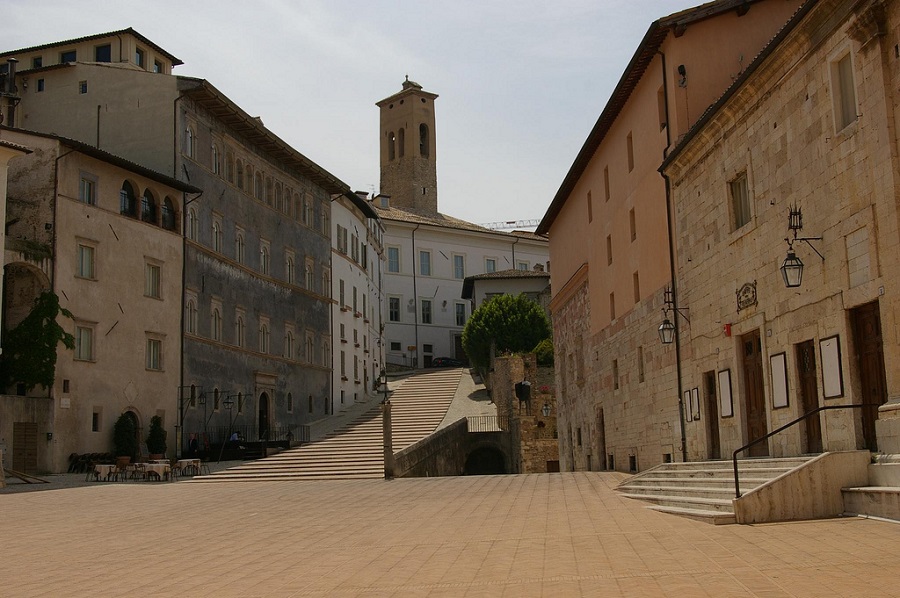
(216,165)
(168,214)
(401,140)
(423,140)
(263,338)
(258,187)
(290,402)
(326,354)
(193,225)
(279,205)
(216,324)
(239,248)
(270,192)
(391,141)
(190,317)
(217,236)
(264,259)
(127,200)
(289,346)
(289,269)
(189,141)
(310,350)
(229,167)
(148,207)
(239,331)
(240,175)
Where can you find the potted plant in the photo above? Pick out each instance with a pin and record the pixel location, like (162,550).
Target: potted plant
(125,439)
(156,438)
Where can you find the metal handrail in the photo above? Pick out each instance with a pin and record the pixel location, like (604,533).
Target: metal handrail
(734,455)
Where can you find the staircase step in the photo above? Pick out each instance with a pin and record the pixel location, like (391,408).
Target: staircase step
(712,517)
(692,502)
(876,501)
(693,491)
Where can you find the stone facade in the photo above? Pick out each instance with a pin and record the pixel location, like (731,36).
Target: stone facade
(781,132)
(620,395)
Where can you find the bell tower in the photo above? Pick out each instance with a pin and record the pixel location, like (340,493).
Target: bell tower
(408,157)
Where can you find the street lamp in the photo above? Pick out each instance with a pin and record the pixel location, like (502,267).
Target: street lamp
(667,328)
(792,266)
(545,410)
(386,432)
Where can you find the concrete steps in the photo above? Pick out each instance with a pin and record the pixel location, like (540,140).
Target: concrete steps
(704,490)
(881,498)
(355,451)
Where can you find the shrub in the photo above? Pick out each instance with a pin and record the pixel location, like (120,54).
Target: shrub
(544,352)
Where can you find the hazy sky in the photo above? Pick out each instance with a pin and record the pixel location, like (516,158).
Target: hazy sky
(520,83)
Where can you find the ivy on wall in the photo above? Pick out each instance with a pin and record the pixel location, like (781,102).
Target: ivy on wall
(30,349)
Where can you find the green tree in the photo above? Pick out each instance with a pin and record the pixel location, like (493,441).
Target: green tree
(513,323)
(156,437)
(30,349)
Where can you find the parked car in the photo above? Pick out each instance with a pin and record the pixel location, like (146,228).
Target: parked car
(446,362)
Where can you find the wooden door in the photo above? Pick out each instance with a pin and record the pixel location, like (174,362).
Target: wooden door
(866,323)
(24,457)
(714,450)
(754,395)
(809,395)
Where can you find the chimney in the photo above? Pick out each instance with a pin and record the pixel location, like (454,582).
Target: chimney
(539,267)
(383,201)
(363,195)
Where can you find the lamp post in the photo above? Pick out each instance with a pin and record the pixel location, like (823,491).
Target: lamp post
(386,430)
(792,266)
(667,328)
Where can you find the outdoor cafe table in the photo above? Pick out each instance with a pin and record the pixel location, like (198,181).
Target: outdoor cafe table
(160,469)
(104,471)
(192,464)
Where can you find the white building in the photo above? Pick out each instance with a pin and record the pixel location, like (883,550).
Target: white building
(429,254)
(357,322)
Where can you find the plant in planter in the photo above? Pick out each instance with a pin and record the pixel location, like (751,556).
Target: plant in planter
(156,438)
(125,438)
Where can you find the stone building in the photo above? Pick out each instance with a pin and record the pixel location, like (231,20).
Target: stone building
(808,129)
(257,258)
(429,254)
(103,234)
(613,257)
(357,262)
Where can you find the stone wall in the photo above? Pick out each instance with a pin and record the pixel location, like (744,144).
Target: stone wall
(441,454)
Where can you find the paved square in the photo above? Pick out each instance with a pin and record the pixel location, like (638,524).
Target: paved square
(563,534)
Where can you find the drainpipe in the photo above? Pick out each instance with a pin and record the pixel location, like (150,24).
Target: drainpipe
(184,234)
(514,252)
(672,270)
(415,293)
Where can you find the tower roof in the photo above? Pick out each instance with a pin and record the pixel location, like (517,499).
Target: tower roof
(409,88)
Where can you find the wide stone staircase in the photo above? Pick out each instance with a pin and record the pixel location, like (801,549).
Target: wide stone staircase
(355,450)
(704,490)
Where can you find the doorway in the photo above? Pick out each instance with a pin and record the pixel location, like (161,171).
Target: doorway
(24,453)
(866,323)
(601,439)
(714,447)
(263,416)
(809,394)
(754,395)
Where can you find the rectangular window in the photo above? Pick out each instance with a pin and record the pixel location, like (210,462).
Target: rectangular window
(84,343)
(342,239)
(460,314)
(637,287)
(844,92)
(425,263)
(590,207)
(139,57)
(40,85)
(37,62)
(426,311)
(490,265)
(152,275)
(740,201)
(629,142)
(394,309)
(87,189)
(354,248)
(612,306)
(640,357)
(615,374)
(521,265)
(157,66)
(632,224)
(342,295)
(154,354)
(67,56)
(95,421)
(103,53)
(82,87)
(606,183)
(85,266)
(608,250)
(393,254)
(395,346)
(459,266)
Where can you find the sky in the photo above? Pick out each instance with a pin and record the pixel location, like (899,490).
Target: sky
(520,84)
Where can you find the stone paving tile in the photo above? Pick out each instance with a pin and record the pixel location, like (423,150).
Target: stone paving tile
(553,535)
